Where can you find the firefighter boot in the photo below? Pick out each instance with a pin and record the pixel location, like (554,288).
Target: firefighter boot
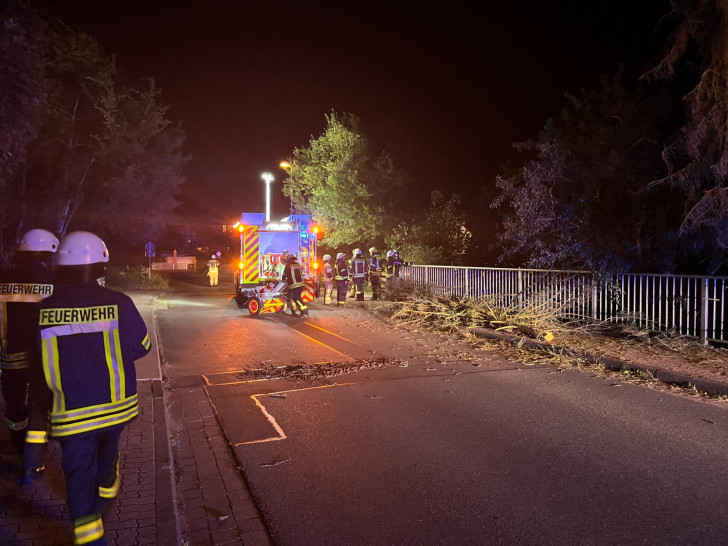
(327,296)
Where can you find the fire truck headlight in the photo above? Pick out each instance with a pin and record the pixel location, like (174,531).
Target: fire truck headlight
(240,265)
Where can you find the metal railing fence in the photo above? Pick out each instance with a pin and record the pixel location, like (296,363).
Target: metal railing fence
(691,305)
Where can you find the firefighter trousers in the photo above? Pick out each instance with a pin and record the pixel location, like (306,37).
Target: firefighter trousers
(341,290)
(89,461)
(14,383)
(298,301)
(359,288)
(376,285)
(328,291)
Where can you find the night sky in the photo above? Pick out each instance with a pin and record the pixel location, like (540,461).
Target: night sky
(446,88)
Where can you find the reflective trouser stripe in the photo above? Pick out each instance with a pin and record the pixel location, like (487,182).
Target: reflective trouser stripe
(36,437)
(111,491)
(88,531)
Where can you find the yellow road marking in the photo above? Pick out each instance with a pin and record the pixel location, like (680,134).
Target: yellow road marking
(333,334)
(320,343)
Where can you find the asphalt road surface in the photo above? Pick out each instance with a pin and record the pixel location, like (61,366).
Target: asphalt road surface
(429,442)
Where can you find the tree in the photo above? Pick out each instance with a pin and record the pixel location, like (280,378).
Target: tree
(106,158)
(22,50)
(338,181)
(697,158)
(583,200)
(441,238)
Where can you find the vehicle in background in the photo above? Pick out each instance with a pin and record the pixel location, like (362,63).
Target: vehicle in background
(258,276)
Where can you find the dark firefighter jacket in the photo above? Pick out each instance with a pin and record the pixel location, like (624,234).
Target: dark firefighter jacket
(293,275)
(341,270)
(374,265)
(21,291)
(90,337)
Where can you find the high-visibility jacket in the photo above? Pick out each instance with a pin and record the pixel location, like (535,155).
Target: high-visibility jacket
(341,270)
(90,337)
(390,266)
(328,272)
(358,268)
(21,291)
(293,275)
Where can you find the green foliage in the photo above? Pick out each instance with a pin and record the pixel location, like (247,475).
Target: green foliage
(106,158)
(584,200)
(440,238)
(697,157)
(134,278)
(22,50)
(337,180)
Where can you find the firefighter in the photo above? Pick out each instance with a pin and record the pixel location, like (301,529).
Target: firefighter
(396,264)
(21,291)
(90,337)
(212,270)
(358,274)
(374,272)
(389,273)
(341,275)
(293,275)
(389,264)
(328,275)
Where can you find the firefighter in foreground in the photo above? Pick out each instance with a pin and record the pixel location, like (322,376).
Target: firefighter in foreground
(358,274)
(374,272)
(293,275)
(90,337)
(21,291)
(341,276)
(327,272)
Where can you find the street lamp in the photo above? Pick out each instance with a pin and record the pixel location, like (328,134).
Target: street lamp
(286,166)
(268,179)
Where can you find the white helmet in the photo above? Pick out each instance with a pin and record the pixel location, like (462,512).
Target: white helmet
(285,254)
(373,250)
(82,248)
(213,257)
(390,253)
(327,257)
(357,252)
(38,240)
(340,256)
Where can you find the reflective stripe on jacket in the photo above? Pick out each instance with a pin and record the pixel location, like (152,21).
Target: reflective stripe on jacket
(358,268)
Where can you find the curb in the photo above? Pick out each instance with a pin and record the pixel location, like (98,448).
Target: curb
(614,364)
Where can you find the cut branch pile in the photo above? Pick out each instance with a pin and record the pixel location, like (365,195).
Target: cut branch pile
(453,314)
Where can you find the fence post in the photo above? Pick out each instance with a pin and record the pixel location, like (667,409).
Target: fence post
(595,299)
(520,289)
(467,288)
(704,310)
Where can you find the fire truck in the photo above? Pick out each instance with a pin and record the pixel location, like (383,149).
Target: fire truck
(258,284)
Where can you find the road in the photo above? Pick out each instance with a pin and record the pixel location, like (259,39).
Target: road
(430,442)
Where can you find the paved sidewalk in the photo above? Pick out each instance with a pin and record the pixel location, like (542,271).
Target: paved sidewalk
(179,479)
